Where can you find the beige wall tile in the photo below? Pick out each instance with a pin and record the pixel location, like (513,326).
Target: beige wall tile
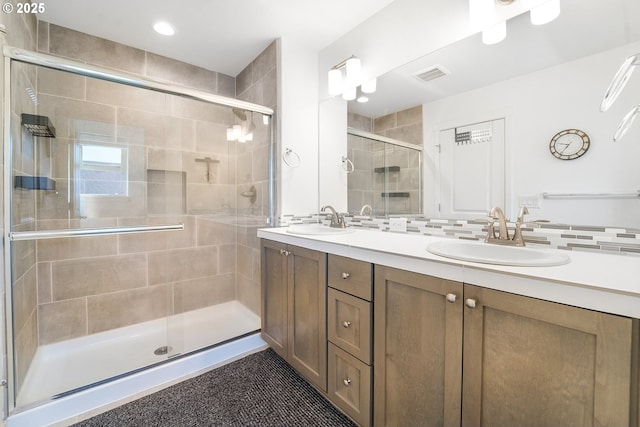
(116,94)
(25,298)
(181,73)
(59,83)
(203,292)
(208,198)
(72,118)
(62,320)
(25,346)
(84,47)
(156,130)
(118,309)
(43,36)
(196,110)
(226,85)
(248,293)
(92,276)
(44,282)
(211,138)
(161,159)
(158,241)
(84,247)
(212,232)
(410,116)
(23,257)
(227,259)
(182,264)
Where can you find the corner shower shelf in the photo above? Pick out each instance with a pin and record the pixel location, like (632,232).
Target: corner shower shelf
(34,183)
(387,169)
(396,194)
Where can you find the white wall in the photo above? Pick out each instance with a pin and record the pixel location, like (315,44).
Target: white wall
(537,106)
(298,118)
(333,187)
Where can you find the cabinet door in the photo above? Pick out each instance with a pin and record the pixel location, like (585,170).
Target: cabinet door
(274,295)
(417,349)
(307,277)
(529,362)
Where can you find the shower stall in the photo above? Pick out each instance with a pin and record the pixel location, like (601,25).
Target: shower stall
(130,214)
(384,173)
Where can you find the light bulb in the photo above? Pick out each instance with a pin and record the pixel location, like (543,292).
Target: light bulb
(335,81)
(354,71)
(545,13)
(369,86)
(495,34)
(349,94)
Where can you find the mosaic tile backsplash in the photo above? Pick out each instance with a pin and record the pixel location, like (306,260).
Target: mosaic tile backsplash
(610,240)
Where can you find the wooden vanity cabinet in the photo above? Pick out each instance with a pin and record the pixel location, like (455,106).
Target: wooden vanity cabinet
(349,320)
(529,362)
(526,362)
(417,349)
(294,297)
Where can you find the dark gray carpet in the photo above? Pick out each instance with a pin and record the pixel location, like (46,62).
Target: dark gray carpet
(258,390)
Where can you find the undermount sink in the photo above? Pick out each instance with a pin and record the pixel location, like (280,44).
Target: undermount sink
(496,254)
(317,230)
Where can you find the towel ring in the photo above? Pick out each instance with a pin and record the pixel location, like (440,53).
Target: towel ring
(286,158)
(347,164)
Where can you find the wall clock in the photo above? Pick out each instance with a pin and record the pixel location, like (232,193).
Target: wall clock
(569,144)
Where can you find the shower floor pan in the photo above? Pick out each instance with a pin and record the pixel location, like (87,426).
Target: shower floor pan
(68,365)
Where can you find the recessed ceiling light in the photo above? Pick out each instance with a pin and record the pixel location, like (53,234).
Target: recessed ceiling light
(164,28)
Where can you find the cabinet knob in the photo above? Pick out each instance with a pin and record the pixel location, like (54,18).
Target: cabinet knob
(345,275)
(282,251)
(347,382)
(471,303)
(346,324)
(451,298)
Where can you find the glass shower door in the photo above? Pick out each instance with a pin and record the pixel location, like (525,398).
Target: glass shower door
(132,212)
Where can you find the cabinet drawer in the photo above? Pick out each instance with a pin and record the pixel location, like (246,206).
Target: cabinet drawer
(349,324)
(350,385)
(350,276)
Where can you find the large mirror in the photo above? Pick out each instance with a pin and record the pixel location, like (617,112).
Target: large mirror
(491,119)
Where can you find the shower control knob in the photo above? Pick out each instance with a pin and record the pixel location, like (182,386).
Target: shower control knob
(347,382)
(346,324)
(345,275)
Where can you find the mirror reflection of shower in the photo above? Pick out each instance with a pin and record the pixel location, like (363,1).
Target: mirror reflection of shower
(209,176)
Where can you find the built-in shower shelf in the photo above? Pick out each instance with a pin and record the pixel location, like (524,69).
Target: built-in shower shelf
(387,169)
(396,194)
(35,183)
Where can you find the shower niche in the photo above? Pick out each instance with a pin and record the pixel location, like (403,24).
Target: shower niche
(144,242)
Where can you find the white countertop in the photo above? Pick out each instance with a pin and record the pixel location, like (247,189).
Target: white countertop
(609,283)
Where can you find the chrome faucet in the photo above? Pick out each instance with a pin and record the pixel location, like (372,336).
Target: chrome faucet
(503,232)
(366,208)
(337,220)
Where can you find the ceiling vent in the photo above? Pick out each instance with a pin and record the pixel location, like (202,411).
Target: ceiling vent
(432,73)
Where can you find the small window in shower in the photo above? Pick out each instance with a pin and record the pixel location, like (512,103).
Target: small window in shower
(101,169)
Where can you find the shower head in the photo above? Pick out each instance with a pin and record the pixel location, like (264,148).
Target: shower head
(38,125)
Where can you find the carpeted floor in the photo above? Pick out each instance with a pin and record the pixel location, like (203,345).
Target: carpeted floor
(258,390)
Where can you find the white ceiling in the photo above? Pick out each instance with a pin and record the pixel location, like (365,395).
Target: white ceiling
(220,35)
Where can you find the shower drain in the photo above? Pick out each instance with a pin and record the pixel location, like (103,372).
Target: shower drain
(160,351)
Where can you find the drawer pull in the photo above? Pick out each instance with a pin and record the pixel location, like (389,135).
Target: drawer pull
(346,324)
(471,303)
(347,382)
(345,275)
(451,298)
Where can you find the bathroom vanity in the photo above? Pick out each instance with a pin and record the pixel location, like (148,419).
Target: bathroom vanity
(395,335)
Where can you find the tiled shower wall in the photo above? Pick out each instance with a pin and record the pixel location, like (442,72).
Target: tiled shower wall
(94,284)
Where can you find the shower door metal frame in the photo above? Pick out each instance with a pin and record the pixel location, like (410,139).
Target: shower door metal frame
(87,70)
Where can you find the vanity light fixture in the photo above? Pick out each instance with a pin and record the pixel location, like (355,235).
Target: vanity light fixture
(482,15)
(495,34)
(345,77)
(164,28)
(613,91)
